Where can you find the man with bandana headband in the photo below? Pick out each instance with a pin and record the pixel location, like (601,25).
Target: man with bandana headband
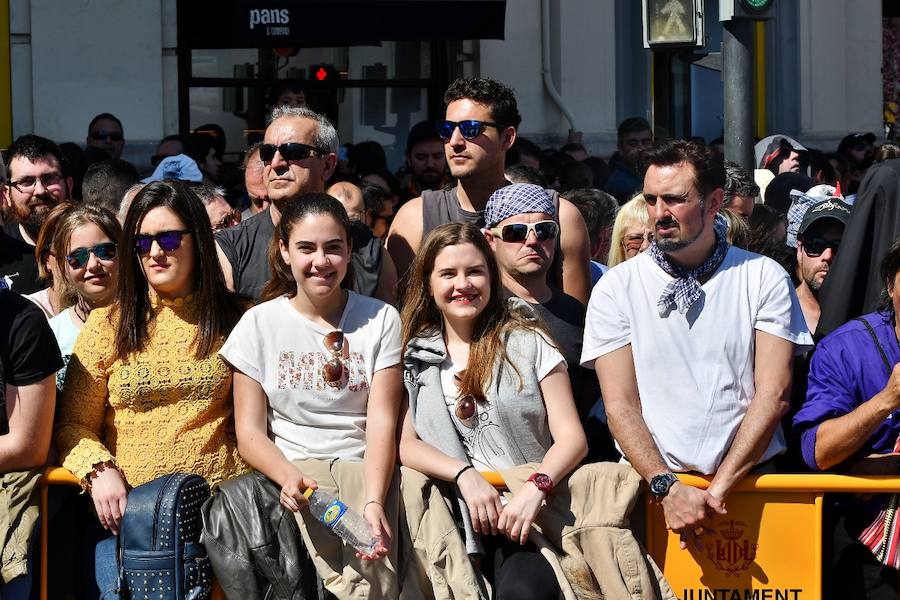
(36,184)
(693,343)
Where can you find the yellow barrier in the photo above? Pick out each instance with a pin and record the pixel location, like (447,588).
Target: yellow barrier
(768,546)
(60,476)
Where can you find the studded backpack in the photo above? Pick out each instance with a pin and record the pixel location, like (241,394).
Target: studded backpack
(160,554)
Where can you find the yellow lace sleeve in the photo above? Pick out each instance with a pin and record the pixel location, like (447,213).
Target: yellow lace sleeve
(85,398)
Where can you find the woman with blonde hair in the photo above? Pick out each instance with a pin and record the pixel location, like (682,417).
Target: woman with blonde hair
(84,252)
(632,231)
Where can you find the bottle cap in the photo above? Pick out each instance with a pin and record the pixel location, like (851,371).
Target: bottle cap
(308,493)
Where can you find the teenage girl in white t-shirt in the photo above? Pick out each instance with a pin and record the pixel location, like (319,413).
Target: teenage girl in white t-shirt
(455,318)
(317,367)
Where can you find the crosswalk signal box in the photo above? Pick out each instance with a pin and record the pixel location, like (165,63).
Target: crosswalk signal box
(673,24)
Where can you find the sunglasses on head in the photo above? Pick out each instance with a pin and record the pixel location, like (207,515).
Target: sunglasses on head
(333,370)
(101,136)
(79,257)
(815,247)
(518,232)
(169,241)
(469,129)
(289,151)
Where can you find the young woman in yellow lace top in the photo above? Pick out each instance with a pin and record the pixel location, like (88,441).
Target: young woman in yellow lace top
(146,393)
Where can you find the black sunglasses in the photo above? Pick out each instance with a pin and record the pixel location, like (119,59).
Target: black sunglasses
(169,241)
(79,257)
(518,232)
(106,135)
(816,246)
(289,151)
(469,129)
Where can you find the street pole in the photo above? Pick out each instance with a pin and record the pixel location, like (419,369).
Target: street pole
(737,67)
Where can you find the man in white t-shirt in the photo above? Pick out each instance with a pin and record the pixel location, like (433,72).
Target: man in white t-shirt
(693,343)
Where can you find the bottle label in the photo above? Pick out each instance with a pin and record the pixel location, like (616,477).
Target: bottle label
(333,513)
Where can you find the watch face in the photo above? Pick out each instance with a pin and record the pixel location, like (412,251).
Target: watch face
(660,484)
(542,482)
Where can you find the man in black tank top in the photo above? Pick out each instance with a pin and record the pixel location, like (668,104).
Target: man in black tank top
(480,127)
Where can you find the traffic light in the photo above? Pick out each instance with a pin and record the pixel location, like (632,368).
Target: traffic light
(323,73)
(673,23)
(758,10)
(323,90)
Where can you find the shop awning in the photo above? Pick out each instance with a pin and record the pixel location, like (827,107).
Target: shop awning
(306,23)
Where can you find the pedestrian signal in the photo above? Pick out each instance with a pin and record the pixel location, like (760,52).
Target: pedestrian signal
(323,73)
(673,23)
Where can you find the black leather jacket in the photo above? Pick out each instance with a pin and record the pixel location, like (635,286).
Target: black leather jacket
(254,543)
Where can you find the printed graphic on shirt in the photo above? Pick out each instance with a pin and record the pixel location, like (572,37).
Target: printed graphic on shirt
(484,440)
(303,370)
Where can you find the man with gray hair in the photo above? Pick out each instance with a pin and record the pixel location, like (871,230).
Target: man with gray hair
(299,154)
(740,189)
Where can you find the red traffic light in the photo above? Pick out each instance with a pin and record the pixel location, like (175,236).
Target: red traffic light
(321,74)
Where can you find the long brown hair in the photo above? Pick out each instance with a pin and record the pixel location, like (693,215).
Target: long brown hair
(219,310)
(44,248)
(315,203)
(421,316)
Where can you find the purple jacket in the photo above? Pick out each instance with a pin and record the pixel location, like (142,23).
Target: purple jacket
(847,370)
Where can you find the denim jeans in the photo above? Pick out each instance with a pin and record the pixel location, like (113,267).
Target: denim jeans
(106,567)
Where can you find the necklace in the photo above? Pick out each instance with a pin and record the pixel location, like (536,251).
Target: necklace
(82,309)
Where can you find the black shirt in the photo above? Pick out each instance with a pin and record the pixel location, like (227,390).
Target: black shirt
(28,349)
(17,264)
(247,248)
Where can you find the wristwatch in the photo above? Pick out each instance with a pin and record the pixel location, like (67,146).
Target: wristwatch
(541,482)
(660,485)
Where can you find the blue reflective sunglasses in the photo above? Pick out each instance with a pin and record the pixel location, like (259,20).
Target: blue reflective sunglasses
(469,129)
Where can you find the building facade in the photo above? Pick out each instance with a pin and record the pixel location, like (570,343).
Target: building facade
(820,74)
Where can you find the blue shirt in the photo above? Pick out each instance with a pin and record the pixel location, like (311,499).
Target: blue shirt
(846,371)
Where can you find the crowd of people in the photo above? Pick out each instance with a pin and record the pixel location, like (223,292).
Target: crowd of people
(582,327)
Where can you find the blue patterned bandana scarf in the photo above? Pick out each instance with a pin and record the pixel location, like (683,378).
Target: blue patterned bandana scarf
(685,289)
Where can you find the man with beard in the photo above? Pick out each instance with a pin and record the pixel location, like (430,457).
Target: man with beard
(425,161)
(36,184)
(695,368)
(480,127)
(818,239)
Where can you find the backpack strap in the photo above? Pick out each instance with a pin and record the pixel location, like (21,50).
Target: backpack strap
(884,358)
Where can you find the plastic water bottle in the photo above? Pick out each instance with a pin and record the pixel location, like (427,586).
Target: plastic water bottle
(343,522)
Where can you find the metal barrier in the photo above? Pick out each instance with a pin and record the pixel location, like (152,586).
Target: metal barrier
(60,476)
(768,546)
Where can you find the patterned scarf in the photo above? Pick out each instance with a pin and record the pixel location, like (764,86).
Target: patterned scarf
(685,289)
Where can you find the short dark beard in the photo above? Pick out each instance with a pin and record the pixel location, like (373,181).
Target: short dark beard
(813,285)
(667,245)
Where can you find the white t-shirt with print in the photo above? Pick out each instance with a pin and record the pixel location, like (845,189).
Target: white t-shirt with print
(483,442)
(278,347)
(695,371)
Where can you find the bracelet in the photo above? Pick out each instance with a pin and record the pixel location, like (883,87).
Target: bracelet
(86,482)
(372,502)
(461,471)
